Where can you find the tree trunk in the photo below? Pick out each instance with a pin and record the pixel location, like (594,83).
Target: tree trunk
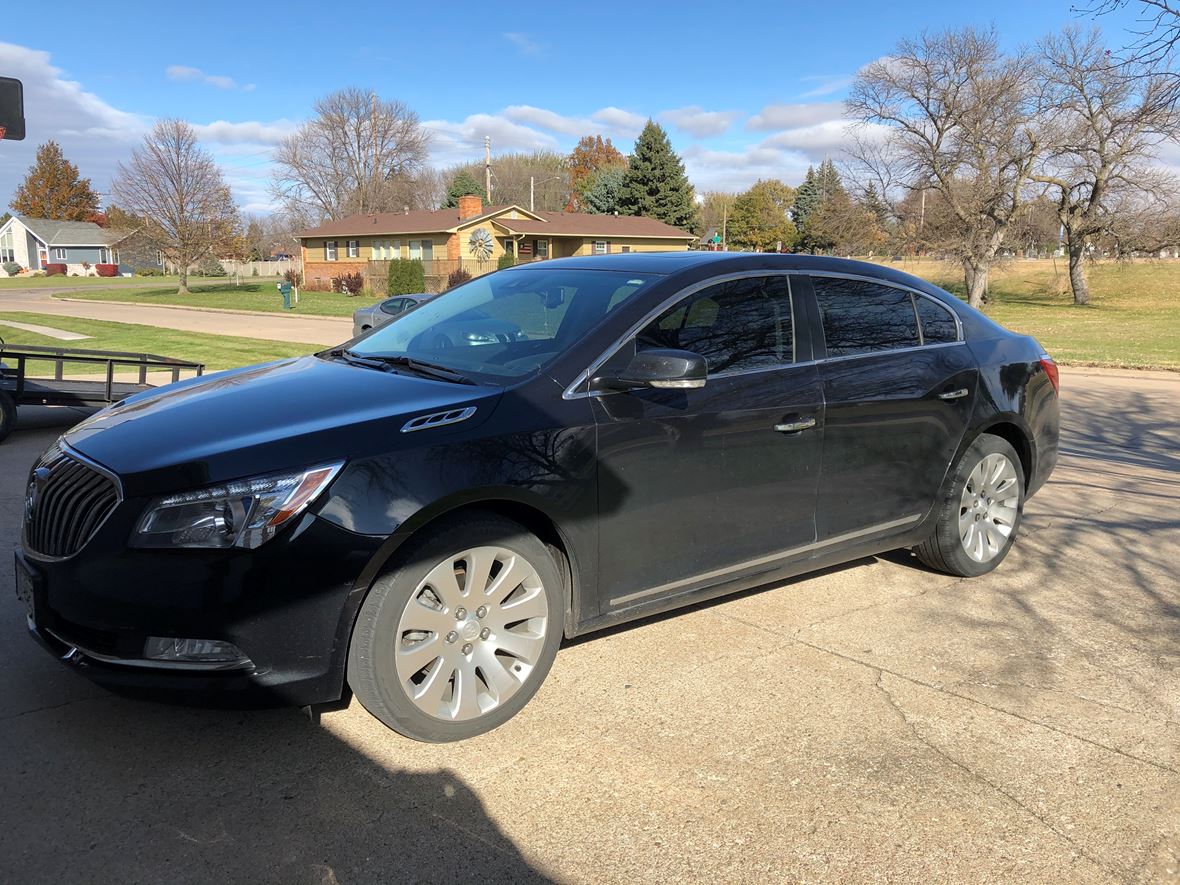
(976,280)
(1077,271)
(183,290)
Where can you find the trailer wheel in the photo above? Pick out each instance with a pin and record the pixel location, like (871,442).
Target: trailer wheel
(7,415)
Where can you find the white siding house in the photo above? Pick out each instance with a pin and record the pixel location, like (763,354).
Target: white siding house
(35,242)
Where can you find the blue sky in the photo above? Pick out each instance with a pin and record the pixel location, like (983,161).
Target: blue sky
(745,90)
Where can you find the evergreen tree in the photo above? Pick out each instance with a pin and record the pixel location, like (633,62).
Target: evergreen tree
(819,187)
(602,196)
(462,185)
(873,204)
(655,185)
(806,199)
(53,189)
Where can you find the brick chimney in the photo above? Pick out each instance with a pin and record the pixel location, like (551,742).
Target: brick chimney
(470,206)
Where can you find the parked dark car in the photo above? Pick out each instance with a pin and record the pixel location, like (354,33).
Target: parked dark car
(372,316)
(425,523)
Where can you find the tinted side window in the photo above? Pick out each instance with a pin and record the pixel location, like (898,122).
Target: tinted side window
(863,317)
(736,326)
(938,326)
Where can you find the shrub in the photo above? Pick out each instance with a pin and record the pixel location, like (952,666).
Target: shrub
(106,270)
(11,268)
(350,283)
(85,268)
(458,278)
(55,270)
(505,261)
(294,278)
(254,271)
(406,277)
(209,266)
(148,272)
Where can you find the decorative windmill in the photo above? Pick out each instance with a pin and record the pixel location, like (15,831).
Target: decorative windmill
(480,243)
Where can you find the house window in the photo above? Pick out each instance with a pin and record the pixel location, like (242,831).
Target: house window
(428,250)
(601,247)
(625,249)
(59,254)
(354,248)
(415,250)
(541,247)
(7,252)
(329,250)
(104,255)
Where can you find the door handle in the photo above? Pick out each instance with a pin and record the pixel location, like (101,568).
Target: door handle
(954,394)
(795,426)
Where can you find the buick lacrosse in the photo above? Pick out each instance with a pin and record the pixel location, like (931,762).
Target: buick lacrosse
(420,516)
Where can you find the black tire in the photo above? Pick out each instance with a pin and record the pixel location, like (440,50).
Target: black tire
(945,550)
(7,415)
(372,668)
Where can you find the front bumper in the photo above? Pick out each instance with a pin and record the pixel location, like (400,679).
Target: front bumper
(289,605)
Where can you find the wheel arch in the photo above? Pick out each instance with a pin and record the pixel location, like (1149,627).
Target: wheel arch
(1013,432)
(505,504)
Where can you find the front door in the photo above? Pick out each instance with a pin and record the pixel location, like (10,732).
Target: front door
(698,488)
(898,395)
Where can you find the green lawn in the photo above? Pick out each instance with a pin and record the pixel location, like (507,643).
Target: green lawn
(7,282)
(258,295)
(215,351)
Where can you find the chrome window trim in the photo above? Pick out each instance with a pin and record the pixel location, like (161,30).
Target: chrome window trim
(70,451)
(586,374)
(773,557)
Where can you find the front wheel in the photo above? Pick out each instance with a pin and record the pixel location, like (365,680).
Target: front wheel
(457,638)
(979,517)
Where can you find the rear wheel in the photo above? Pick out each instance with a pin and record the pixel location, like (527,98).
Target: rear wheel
(457,638)
(7,415)
(979,517)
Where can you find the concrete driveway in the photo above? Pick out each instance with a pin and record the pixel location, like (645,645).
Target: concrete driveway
(877,722)
(296,328)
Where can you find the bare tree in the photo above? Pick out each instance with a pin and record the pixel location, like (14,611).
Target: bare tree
(548,190)
(1157,34)
(358,154)
(1108,117)
(962,116)
(174,186)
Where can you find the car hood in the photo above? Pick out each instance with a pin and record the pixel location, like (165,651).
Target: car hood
(265,418)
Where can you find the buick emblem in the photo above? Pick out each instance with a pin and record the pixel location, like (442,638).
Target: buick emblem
(33,494)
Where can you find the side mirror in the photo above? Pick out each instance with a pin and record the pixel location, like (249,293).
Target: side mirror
(659,368)
(12,109)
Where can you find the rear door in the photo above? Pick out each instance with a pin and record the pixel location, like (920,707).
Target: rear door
(898,387)
(699,487)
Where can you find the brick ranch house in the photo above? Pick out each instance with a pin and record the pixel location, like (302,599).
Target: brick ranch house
(472,237)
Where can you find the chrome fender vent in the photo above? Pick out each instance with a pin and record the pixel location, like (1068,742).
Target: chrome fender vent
(438,419)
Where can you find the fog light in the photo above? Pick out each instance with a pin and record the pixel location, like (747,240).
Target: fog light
(194,651)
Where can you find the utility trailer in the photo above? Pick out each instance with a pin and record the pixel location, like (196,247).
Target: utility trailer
(22,385)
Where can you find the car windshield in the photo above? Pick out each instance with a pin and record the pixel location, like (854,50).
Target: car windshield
(504,325)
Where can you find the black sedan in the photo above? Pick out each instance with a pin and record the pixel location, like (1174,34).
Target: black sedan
(423,519)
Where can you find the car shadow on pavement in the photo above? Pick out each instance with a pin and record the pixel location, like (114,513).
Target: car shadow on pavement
(103,788)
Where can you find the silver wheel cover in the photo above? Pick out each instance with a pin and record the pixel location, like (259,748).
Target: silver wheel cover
(988,507)
(472,633)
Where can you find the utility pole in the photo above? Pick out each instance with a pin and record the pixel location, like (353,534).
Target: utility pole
(373,135)
(487,167)
(532,198)
(724,222)
(922,214)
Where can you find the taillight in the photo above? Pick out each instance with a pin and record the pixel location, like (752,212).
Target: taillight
(1050,368)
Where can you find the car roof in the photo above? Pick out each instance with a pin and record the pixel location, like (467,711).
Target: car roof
(669,263)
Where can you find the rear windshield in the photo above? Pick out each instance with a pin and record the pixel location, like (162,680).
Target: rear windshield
(505,325)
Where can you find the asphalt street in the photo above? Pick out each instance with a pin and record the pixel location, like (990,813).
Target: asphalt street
(876,722)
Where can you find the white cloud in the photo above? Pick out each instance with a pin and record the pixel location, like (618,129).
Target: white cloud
(776,117)
(622,123)
(698,122)
(250,132)
(609,121)
(523,42)
(184,73)
(826,84)
(462,142)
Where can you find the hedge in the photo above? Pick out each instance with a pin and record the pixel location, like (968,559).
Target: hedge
(55,270)
(106,270)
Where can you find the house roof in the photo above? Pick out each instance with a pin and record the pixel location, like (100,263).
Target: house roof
(68,233)
(541,223)
(585,225)
(419,221)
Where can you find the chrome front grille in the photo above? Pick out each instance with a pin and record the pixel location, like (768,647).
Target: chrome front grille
(66,502)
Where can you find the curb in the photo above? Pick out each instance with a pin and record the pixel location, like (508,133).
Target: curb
(227,310)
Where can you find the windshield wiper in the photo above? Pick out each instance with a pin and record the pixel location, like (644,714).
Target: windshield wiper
(356,359)
(430,370)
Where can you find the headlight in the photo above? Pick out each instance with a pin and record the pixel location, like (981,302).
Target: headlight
(244,513)
(481,338)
